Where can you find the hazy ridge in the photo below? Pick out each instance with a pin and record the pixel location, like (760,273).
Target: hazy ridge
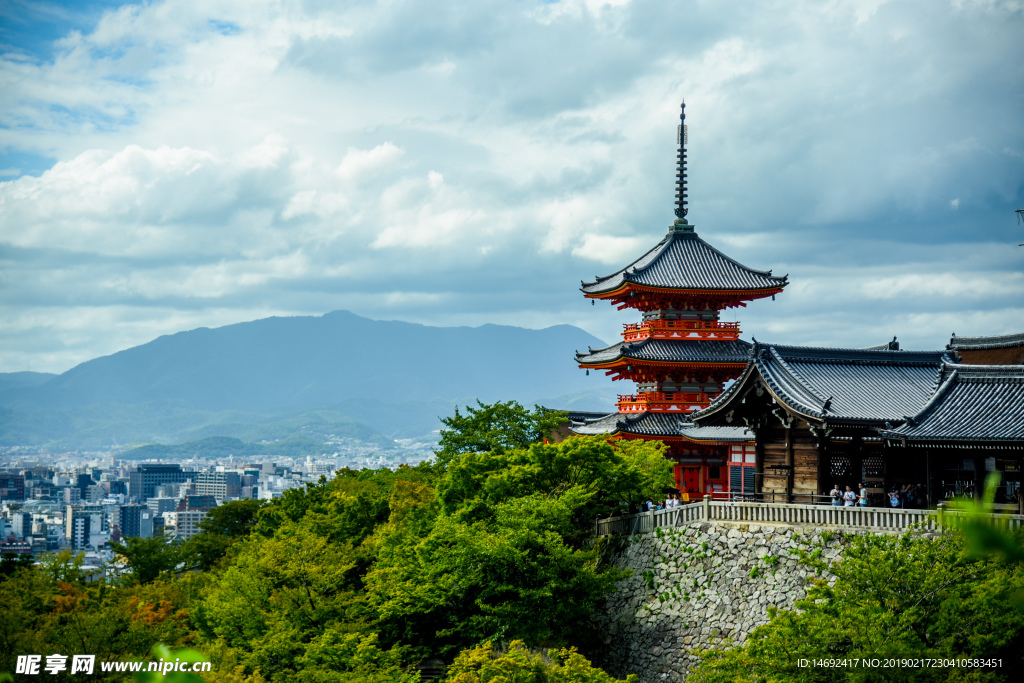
(275,378)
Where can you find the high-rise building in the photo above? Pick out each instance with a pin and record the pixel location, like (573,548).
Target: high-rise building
(81,522)
(12,486)
(160,504)
(21,523)
(196,502)
(136,521)
(184,524)
(220,485)
(82,483)
(146,478)
(115,487)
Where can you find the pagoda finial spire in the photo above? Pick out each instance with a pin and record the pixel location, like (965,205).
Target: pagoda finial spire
(681,209)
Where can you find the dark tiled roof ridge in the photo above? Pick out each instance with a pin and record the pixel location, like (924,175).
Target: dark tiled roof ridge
(971,372)
(591,349)
(981,343)
(825,354)
(804,384)
(705,259)
(945,383)
(975,403)
(601,278)
(788,372)
(661,425)
(727,394)
(671,350)
(794,390)
(694,236)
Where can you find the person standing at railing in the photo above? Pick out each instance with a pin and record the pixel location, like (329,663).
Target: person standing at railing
(849,498)
(862,498)
(837,495)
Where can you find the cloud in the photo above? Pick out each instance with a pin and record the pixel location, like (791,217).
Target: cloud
(471,162)
(609,249)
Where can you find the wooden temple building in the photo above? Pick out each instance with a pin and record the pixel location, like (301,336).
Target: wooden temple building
(797,420)
(681,352)
(911,420)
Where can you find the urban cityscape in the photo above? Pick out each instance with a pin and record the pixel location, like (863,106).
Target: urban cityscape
(82,501)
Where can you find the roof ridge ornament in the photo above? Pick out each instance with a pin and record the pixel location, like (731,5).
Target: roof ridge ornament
(681,224)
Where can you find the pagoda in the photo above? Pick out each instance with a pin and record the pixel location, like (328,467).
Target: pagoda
(681,353)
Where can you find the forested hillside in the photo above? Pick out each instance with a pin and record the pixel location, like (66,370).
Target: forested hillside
(483,562)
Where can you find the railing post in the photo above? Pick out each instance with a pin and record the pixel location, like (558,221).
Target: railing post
(707,508)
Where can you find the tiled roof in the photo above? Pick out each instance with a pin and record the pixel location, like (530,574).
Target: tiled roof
(581,415)
(682,260)
(974,403)
(644,424)
(670,351)
(844,385)
(665,425)
(738,434)
(981,343)
(888,346)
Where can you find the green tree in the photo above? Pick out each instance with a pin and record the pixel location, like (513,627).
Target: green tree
(43,614)
(234,519)
(12,562)
(495,427)
(893,597)
(486,664)
(204,550)
(294,603)
(148,557)
(509,555)
(610,473)
(220,528)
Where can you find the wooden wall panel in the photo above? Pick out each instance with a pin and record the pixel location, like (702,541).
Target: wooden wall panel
(804,445)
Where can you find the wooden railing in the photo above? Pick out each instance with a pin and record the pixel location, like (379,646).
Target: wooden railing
(707,510)
(680,329)
(665,401)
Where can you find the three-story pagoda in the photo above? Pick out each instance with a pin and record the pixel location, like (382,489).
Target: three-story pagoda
(681,353)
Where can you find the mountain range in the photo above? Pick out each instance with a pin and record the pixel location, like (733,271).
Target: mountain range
(281,377)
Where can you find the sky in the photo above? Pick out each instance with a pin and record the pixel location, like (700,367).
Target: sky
(172,165)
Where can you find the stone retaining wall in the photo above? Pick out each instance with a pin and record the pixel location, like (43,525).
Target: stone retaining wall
(700,586)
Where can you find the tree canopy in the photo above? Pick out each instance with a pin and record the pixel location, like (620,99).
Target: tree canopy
(893,597)
(364,576)
(495,427)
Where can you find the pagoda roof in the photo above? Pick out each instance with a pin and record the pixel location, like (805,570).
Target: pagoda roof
(659,425)
(837,385)
(1003,341)
(973,403)
(670,351)
(682,260)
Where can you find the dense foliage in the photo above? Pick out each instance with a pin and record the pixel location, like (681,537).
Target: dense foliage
(519,665)
(361,577)
(900,597)
(495,427)
(485,561)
